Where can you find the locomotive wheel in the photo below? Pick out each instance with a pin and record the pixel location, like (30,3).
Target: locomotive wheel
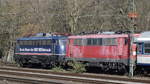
(50,65)
(20,64)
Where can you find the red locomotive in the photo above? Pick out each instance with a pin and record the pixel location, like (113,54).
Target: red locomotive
(108,51)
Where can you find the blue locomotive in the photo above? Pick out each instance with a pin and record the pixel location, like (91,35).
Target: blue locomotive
(43,48)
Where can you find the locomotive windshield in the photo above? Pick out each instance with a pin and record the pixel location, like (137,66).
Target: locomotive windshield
(62,44)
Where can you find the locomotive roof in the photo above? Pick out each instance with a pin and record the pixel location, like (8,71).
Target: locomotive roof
(102,36)
(43,38)
(144,37)
(141,39)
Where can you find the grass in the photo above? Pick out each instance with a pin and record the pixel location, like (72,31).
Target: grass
(72,66)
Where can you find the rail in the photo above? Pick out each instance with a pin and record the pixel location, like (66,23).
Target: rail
(46,76)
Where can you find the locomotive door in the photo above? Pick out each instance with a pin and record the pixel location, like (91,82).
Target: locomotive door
(79,51)
(76,48)
(81,48)
(121,42)
(70,47)
(54,47)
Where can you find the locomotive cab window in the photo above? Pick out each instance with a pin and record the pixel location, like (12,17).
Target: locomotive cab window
(147,48)
(139,48)
(55,42)
(126,41)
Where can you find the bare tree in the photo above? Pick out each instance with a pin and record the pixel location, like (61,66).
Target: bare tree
(21,17)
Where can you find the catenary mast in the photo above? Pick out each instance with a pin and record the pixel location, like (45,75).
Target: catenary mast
(132,15)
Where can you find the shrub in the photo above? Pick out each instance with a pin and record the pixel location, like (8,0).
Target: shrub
(76,67)
(58,69)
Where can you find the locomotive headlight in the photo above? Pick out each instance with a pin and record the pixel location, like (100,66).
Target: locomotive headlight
(62,47)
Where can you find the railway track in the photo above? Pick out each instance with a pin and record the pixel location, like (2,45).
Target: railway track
(39,76)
